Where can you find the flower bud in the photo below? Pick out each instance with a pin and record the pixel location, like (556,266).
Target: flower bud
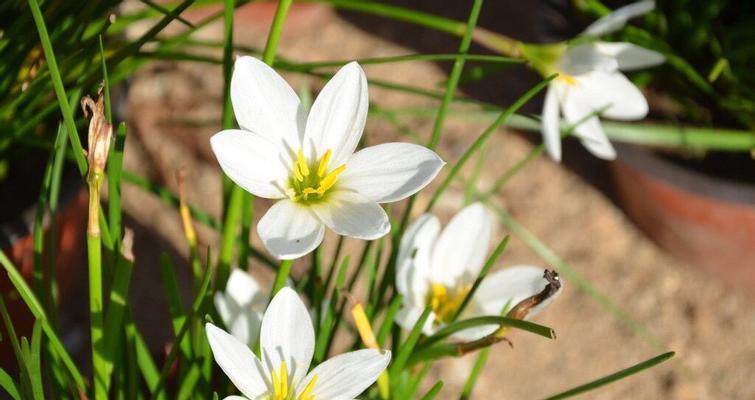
(100,132)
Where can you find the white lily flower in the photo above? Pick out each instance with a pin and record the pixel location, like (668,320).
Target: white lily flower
(241,306)
(590,82)
(307,162)
(438,269)
(287,343)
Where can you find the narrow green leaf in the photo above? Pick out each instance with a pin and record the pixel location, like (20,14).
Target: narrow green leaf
(9,385)
(36,309)
(483,273)
(453,79)
(624,373)
(406,348)
(483,138)
(390,316)
(479,364)
(60,92)
(572,276)
(433,391)
(34,367)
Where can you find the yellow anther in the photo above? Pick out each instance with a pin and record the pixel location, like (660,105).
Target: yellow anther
(306,394)
(301,163)
(322,169)
(363,326)
(276,385)
(328,181)
(443,304)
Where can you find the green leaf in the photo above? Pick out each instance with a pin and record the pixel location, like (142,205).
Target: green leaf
(624,373)
(9,385)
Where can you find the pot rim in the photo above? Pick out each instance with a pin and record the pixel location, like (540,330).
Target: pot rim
(646,160)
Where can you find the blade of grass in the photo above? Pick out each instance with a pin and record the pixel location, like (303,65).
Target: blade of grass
(433,391)
(60,93)
(619,375)
(35,365)
(502,117)
(407,348)
(483,273)
(572,276)
(196,307)
(39,313)
(117,305)
(9,385)
(471,381)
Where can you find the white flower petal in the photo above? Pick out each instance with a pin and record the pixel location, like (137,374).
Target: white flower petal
(338,115)
(413,260)
(551,121)
(235,398)
(350,214)
(241,306)
(345,376)
(510,286)
(618,18)
(237,361)
(287,335)
(624,100)
(391,171)
(630,56)
(289,230)
(601,148)
(586,58)
(265,104)
(462,247)
(251,161)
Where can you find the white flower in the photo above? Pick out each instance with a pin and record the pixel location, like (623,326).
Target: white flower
(437,269)
(590,82)
(287,342)
(307,162)
(241,306)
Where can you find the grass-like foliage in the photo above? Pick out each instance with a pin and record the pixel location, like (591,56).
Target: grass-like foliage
(400,321)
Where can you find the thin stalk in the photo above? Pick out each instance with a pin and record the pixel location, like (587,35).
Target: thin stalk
(284,270)
(502,117)
(624,373)
(57,82)
(453,79)
(94,252)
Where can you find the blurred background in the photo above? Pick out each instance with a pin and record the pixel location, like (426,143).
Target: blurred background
(664,240)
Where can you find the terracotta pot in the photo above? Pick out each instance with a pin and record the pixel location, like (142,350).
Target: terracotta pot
(707,221)
(69,261)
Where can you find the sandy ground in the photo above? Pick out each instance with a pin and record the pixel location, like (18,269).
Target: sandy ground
(174,109)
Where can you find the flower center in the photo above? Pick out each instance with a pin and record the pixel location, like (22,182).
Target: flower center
(282,390)
(444,302)
(311,184)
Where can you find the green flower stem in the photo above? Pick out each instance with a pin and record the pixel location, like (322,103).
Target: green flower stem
(239,197)
(284,270)
(94,251)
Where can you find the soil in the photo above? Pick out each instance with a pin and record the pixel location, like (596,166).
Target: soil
(174,109)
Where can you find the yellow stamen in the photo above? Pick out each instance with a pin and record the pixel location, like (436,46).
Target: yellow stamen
(330,180)
(284,381)
(301,163)
(363,326)
(305,185)
(443,304)
(307,393)
(323,168)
